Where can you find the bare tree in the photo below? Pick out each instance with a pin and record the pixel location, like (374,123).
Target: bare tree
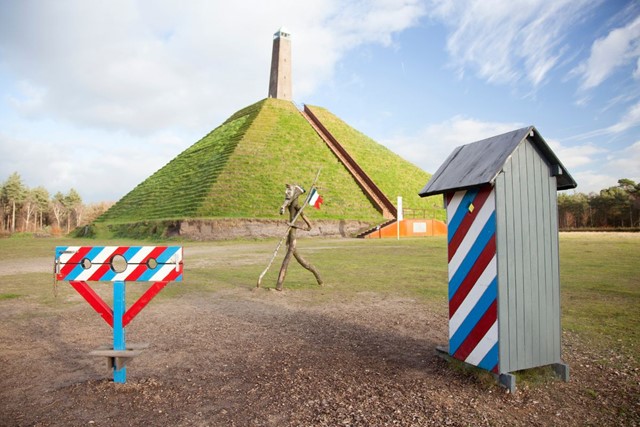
(58,208)
(41,196)
(73,205)
(29,207)
(13,192)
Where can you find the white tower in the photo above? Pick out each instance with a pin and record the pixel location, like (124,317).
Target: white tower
(280,80)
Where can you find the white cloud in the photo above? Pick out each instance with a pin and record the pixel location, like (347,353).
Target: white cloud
(626,164)
(139,65)
(629,120)
(108,92)
(575,156)
(593,167)
(103,168)
(431,146)
(505,41)
(618,48)
(619,164)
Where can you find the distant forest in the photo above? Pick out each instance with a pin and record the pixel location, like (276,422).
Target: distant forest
(613,207)
(34,210)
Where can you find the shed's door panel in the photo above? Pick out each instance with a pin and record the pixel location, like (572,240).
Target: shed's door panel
(473,287)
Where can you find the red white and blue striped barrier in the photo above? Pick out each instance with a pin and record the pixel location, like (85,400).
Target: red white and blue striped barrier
(99,263)
(118,264)
(473,285)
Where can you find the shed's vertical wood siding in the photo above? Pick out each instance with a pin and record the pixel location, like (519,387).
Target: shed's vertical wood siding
(527,256)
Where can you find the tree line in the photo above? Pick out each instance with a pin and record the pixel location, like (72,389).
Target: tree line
(613,207)
(25,209)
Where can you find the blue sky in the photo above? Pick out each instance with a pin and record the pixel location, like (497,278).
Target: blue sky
(97,96)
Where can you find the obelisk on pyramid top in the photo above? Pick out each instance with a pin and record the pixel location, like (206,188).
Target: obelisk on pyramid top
(280,79)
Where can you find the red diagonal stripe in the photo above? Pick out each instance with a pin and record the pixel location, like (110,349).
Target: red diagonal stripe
(106,266)
(173,274)
(94,300)
(142,302)
(449,196)
(466,223)
(472,277)
(478,332)
(140,269)
(75,259)
(99,272)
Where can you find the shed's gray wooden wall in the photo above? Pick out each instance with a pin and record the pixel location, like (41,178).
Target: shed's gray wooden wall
(528,266)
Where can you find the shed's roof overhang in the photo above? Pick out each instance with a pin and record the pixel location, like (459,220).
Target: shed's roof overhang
(480,163)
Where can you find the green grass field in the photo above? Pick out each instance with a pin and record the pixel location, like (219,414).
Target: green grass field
(600,276)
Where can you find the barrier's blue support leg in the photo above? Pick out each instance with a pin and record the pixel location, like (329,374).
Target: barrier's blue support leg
(119,307)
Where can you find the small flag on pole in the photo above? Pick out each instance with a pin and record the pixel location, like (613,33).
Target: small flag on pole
(315,199)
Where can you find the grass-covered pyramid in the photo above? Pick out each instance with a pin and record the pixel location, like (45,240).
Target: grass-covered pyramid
(239,170)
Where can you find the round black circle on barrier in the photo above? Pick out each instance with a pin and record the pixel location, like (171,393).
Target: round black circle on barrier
(152,263)
(86,263)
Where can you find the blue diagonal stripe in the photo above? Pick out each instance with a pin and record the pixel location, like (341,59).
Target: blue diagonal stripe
(167,254)
(78,269)
(60,250)
(488,297)
(94,252)
(472,256)
(73,274)
(161,260)
(459,214)
(131,252)
(108,275)
(490,359)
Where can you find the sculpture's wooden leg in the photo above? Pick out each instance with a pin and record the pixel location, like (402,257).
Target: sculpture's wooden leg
(308,266)
(285,265)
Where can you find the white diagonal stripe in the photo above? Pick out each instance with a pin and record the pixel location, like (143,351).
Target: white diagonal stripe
(473,297)
(454,203)
(161,274)
(141,254)
(473,233)
(486,343)
(67,254)
(104,255)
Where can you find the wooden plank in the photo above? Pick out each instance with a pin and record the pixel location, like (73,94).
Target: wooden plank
(130,346)
(536,248)
(518,262)
(555,268)
(142,302)
(548,301)
(116,353)
(94,300)
(510,261)
(525,202)
(502,267)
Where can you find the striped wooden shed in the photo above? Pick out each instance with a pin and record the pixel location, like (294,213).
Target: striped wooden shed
(504,277)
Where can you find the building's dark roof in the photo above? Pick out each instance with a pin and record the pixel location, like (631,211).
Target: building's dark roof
(480,162)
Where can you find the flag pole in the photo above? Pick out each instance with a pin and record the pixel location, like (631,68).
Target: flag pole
(293,221)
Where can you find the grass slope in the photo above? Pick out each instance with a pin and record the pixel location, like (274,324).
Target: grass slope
(280,147)
(239,170)
(394,175)
(178,189)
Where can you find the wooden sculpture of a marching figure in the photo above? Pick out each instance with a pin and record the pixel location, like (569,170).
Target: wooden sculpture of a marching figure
(291,194)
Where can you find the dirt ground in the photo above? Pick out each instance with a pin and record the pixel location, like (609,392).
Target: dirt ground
(265,358)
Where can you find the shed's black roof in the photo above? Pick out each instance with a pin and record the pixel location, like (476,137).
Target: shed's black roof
(480,162)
